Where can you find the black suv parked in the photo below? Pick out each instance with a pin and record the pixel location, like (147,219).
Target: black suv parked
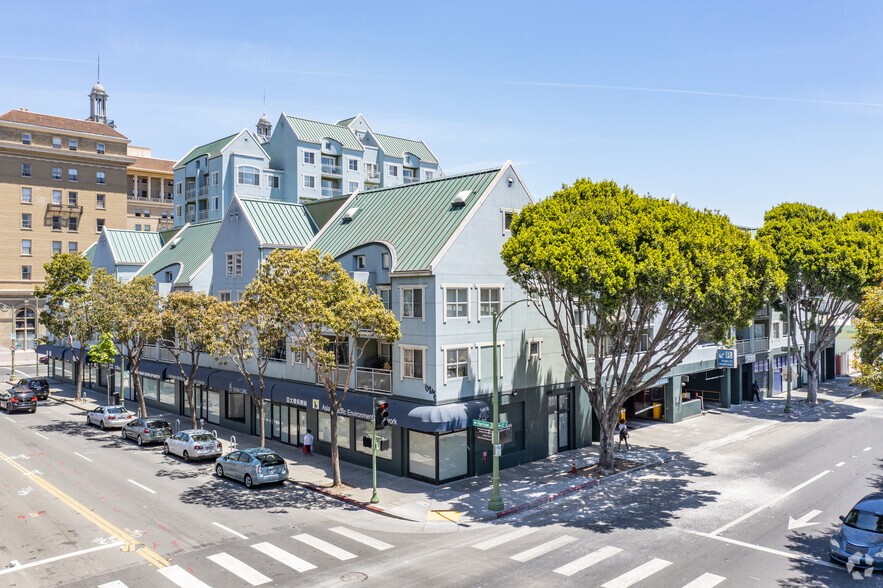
(23,399)
(38,386)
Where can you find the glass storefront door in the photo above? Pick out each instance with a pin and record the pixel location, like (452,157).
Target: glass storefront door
(559,423)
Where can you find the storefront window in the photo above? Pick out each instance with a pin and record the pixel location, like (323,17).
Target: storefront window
(421,455)
(343,430)
(167,392)
(235,406)
(363,429)
(214,407)
(149,388)
(268,420)
(452,456)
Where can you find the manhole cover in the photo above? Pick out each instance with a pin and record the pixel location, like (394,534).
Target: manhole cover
(354,577)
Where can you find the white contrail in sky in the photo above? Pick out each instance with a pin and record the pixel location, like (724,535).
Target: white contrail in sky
(30,57)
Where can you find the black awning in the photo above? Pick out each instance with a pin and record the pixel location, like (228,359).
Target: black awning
(306,395)
(51,350)
(152,369)
(173,372)
(436,418)
(230,381)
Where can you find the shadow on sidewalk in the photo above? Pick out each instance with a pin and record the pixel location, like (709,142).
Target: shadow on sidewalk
(229,494)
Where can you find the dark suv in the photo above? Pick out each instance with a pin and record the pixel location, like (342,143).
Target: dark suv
(38,386)
(14,400)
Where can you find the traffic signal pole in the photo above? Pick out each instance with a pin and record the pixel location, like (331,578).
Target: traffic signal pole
(374,498)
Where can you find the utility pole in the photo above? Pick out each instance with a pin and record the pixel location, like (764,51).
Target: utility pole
(788,359)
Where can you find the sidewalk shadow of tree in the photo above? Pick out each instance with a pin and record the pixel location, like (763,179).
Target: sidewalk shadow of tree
(808,573)
(230,494)
(110,438)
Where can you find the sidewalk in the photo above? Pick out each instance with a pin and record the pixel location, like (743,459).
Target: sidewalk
(531,484)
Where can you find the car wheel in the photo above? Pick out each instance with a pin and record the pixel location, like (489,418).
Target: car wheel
(186,456)
(219,470)
(139,441)
(124,435)
(165,448)
(101,425)
(248,482)
(8,411)
(33,410)
(88,420)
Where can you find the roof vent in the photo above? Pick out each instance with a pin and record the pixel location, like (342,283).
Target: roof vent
(349,214)
(460,198)
(174,242)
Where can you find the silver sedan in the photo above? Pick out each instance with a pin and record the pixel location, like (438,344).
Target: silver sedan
(253,466)
(193,444)
(109,416)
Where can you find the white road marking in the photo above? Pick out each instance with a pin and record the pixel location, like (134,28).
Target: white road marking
(543,548)
(768,504)
(182,577)
(706,580)
(636,575)
(842,463)
(866,449)
(585,561)
(283,556)
(328,548)
(83,456)
(58,557)
(804,521)
(114,584)
(229,530)
(796,556)
(142,486)
(505,538)
(8,419)
(363,539)
(40,435)
(243,570)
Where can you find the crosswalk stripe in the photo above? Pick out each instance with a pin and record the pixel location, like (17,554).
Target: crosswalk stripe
(283,556)
(544,548)
(114,584)
(241,569)
(636,575)
(328,548)
(585,561)
(706,581)
(182,577)
(505,538)
(364,539)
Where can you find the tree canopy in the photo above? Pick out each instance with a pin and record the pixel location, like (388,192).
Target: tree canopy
(869,339)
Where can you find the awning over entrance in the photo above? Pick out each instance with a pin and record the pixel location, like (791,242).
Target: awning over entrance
(305,395)
(202,373)
(52,350)
(436,419)
(234,382)
(152,369)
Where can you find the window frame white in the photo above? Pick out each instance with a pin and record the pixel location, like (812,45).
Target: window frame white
(225,295)
(384,260)
(392,170)
(30,195)
(243,171)
(359,262)
(100,149)
(73,174)
(233,258)
(312,157)
(100,177)
(312,180)
(490,374)
(26,139)
(99,224)
(59,195)
(504,212)
(56,176)
(467,303)
(29,225)
(101,201)
(216,178)
(467,363)
(479,288)
(388,290)
(402,288)
(423,350)
(539,354)
(350,162)
(27,250)
(56,142)
(72,145)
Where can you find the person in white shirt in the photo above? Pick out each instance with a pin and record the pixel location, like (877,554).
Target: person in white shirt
(308,442)
(623,431)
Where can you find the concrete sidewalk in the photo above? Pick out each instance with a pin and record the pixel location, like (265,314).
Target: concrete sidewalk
(528,485)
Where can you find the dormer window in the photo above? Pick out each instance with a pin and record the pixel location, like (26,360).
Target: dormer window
(359,262)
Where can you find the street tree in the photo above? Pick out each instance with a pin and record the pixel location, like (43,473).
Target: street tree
(632,285)
(330,318)
(189,328)
(67,314)
(869,339)
(131,312)
(828,263)
(250,335)
(103,353)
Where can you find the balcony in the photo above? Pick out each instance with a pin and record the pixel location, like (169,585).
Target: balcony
(743,346)
(331,192)
(761,344)
(410,179)
(374,380)
(372,177)
(190,193)
(329,169)
(65,209)
(202,191)
(190,217)
(203,215)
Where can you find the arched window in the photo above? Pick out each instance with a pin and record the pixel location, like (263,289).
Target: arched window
(25,328)
(250,176)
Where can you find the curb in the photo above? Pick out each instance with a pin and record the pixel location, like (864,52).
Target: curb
(352,501)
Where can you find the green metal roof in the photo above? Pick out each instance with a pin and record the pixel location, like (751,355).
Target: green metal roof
(133,247)
(323,209)
(210,149)
(280,223)
(396,147)
(89,252)
(313,132)
(346,121)
(416,219)
(190,249)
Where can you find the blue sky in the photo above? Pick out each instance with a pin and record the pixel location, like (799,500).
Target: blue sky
(734,106)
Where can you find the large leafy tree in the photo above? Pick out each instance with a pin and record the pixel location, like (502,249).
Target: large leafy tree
(869,339)
(189,328)
(329,316)
(68,313)
(632,285)
(130,312)
(828,263)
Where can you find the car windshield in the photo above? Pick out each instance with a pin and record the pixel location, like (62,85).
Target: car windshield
(115,410)
(270,459)
(202,437)
(158,424)
(864,520)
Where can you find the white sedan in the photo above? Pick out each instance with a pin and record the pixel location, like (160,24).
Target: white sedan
(109,416)
(193,444)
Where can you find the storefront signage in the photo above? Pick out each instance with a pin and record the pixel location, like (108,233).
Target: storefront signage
(661,382)
(726,358)
(749,358)
(487,435)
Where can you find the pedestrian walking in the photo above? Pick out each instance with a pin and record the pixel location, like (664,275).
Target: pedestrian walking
(623,431)
(755,389)
(308,442)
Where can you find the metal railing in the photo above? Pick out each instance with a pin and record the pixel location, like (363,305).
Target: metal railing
(190,193)
(372,176)
(203,215)
(331,169)
(202,191)
(743,346)
(761,344)
(332,192)
(190,217)
(410,179)
(374,380)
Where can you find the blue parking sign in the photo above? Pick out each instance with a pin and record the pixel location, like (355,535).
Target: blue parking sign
(726,358)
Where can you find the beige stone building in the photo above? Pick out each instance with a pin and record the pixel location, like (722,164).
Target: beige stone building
(61,181)
(149,191)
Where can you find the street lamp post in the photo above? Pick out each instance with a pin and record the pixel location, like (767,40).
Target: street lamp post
(788,359)
(496,501)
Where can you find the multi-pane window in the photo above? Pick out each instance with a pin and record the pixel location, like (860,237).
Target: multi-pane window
(428,175)
(299,357)
(26,220)
(56,173)
(137,212)
(394,170)
(488,302)
(353,164)
(309,157)
(72,198)
(412,302)
(234,264)
(250,176)
(99,148)
(72,223)
(147,212)
(353,186)
(99,224)
(137,227)
(224,296)
(72,145)
(99,177)
(25,246)
(309,181)
(26,170)
(359,261)
(216,203)
(371,170)
(56,247)
(273,181)
(412,363)
(384,261)
(216,178)
(99,201)
(56,142)
(56,196)
(385,294)
(72,175)
(72,247)
(25,138)
(456,302)
(26,194)
(457,362)
(178,188)
(25,272)
(507,219)
(56,223)
(534,348)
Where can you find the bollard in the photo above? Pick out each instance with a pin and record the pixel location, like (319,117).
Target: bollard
(573,467)
(177,424)
(232,442)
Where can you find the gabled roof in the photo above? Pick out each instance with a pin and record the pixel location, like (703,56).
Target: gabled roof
(323,209)
(190,249)
(397,147)
(133,247)
(346,121)
(211,149)
(279,223)
(89,252)
(414,220)
(59,122)
(313,132)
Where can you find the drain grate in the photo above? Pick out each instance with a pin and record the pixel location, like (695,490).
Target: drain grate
(354,577)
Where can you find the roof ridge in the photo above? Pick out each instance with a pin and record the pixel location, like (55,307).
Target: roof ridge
(259,199)
(444,178)
(399,138)
(317,121)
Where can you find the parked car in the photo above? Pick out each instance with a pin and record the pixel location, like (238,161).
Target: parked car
(253,466)
(147,430)
(860,538)
(14,400)
(193,444)
(109,416)
(44,359)
(39,386)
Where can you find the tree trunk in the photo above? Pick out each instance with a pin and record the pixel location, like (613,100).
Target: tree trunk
(605,445)
(188,386)
(139,394)
(335,454)
(812,385)
(261,419)
(79,375)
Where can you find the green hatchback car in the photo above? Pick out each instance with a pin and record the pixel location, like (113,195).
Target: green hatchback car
(147,430)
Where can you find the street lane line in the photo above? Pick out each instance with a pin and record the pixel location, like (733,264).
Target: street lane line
(182,577)
(58,557)
(8,419)
(866,449)
(768,504)
(706,580)
(796,556)
(363,539)
(40,435)
(543,548)
(142,486)
(505,538)
(83,456)
(114,584)
(241,569)
(585,561)
(842,463)
(328,548)
(282,556)
(636,575)
(229,530)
